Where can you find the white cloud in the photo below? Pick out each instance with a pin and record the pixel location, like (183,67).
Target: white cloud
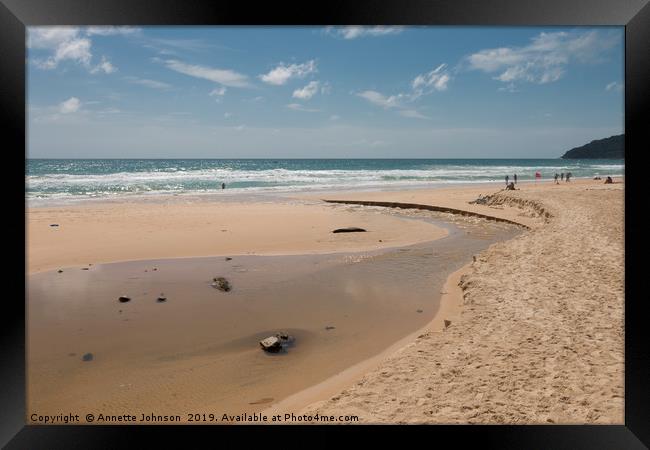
(325,88)
(71,105)
(283,73)
(334,117)
(412,114)
(220,92)
(356,31)
(424,84)
(307,92)
(112,31)
(510,87)
(153,84)
(298,107)
(614,86)
(227,115)
(104,66)
(222,76)
(544,60)
(65,44)
(50,37)
(436,80)
(379,99)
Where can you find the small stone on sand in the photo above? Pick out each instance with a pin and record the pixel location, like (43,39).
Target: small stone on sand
(87,357)
(124,299)
(221,283)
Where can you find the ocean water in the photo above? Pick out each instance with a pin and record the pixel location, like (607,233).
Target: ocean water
(49,180)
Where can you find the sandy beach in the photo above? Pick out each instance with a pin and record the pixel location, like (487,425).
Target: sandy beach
(540,337)
(536,333)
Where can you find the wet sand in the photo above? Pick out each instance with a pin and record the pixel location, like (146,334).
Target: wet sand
(198,351)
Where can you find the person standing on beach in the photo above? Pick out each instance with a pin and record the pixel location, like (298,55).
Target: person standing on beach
(556,177)
(568,175)
(507,178)
(223,185)
(562,176)
(515,178)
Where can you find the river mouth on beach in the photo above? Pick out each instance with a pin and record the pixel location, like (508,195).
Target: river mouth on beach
(198,351)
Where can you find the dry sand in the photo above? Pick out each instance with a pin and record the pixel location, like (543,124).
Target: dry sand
(103,232)
(540,337)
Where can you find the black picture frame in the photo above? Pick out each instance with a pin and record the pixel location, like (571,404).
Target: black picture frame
(15,15)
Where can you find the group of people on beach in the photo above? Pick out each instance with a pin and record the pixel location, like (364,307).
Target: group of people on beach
(561,177)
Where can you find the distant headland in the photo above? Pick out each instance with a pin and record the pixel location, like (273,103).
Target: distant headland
(612,147)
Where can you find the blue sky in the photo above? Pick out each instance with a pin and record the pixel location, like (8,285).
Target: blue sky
(321,92)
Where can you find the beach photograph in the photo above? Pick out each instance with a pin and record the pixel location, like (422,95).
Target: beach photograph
(325,225)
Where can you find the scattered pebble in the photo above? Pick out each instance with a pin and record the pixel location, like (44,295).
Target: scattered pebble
(85,268)
(54,224)
(161,298)
(155,268)
(329,327)
(419,310)
(124,299)
(221,283)
(87,357)
(228,258)
(60,271)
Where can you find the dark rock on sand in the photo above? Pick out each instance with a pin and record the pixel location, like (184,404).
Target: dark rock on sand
(85,268)
(60,271)
(222,284)
(54,224)
(124,299)
(349,230)
(329,327)
(447,323)
(419,310)
(87,357)
(273,344)
(228,258)
(161,298)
